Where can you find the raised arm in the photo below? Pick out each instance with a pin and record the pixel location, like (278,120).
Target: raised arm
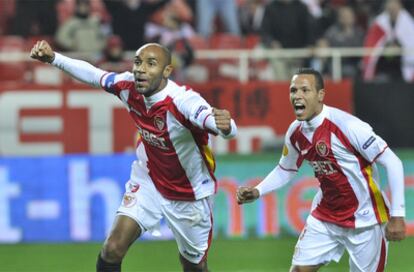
(79,69)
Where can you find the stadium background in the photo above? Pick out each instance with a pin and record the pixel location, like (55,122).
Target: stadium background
(66,149)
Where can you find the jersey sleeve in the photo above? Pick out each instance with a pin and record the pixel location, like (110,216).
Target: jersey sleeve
(197,110)
(114,83)
(365,141)
(79,69)
(290,160)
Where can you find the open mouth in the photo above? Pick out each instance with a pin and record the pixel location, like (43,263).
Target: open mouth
(141,81)
(299,108)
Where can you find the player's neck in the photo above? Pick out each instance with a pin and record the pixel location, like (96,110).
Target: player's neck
(317,119)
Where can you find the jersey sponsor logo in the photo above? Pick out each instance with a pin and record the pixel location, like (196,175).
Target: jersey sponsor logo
(152,139)
(199,110)
(159,122)
(368,142)
(322,148)
(324,168)
(129,200)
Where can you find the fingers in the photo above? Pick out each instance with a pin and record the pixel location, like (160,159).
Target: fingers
(222,118)
(395,235)
(41,51)
(245,195)
(34,53)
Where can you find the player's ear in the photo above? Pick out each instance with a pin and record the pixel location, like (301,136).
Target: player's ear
(321,95)
(167,71)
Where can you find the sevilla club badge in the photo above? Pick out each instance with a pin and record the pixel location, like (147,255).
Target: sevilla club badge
(159,122)
(322,149)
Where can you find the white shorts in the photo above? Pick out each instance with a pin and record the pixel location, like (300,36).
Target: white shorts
(322,242)
(190,221)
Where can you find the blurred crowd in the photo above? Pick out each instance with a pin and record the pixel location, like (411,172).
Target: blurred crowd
(107,28)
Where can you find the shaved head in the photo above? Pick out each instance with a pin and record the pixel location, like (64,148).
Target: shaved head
(161,50)
(152,67)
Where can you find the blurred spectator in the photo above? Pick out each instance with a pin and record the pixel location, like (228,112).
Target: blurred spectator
(286,24)
(173,31)
(129,18)
(170,27)
(323,13)
(344,33)
(392,28)
(206,14)
(82,32)
(7,12)
(35,18)
(251,16)
(113,56)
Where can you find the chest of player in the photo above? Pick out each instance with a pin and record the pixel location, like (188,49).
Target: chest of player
(151,123)
(318,151)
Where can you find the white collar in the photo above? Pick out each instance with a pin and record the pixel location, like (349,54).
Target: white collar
(317,120)
(159,96)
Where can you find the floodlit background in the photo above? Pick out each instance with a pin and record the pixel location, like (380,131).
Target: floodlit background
(66,148)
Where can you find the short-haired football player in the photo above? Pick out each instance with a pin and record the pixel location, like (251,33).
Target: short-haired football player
(173,176)
(349,212)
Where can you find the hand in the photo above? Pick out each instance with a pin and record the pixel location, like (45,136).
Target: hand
(223,120)
(42,51)
(247,194)
(395,229)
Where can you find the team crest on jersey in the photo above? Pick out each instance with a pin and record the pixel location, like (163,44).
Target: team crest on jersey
(129,200)
(159,122)
(322,148)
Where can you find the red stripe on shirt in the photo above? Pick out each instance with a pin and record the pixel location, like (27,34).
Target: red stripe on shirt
(363,163)
(383,256)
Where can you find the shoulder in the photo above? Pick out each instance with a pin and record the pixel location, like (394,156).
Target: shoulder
(118,80)
(345,121)
(294,126)
(119,77)
(182,92)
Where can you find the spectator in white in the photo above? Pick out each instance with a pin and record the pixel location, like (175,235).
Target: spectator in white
(82,32)
(392,28)
(207,11)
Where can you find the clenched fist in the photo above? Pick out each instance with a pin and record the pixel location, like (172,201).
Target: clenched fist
(247,194)
(223,120)
(42,51)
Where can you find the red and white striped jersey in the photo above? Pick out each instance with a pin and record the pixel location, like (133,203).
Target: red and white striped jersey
(174,142)
(342,151)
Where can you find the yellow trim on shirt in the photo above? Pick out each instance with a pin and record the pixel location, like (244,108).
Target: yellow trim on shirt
(378,199)
(209,157)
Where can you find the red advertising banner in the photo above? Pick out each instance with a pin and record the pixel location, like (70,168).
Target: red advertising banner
(73,118)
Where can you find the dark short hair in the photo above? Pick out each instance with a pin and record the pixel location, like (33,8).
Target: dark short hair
(318,76)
